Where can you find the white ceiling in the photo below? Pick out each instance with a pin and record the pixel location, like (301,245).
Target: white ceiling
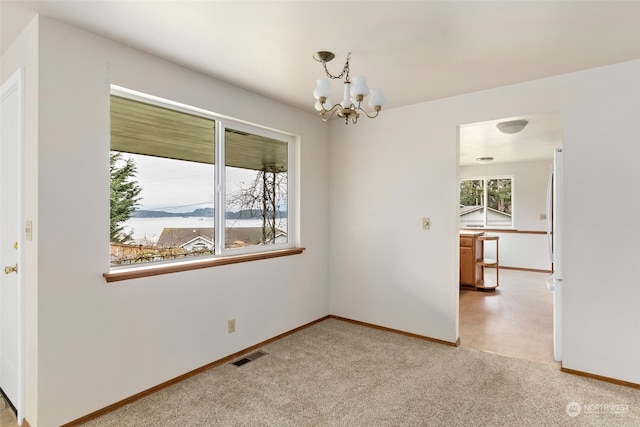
(415,51)
(536,141)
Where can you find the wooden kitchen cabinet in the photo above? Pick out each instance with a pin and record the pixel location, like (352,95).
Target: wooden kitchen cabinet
(471,254)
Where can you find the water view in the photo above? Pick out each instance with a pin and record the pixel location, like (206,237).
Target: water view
(148,230)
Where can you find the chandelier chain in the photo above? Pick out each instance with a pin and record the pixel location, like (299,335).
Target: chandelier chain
(344,73)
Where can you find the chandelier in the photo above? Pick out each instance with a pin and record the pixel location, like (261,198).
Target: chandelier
(350,107)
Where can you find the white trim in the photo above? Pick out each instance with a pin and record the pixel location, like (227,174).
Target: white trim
(285,138)
(219,196)
(13,84)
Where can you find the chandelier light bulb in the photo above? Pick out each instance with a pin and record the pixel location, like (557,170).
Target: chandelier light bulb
(326,106)
(323,89)
(377,98)
(359,87)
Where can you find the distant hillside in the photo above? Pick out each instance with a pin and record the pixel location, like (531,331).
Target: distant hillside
(202,212)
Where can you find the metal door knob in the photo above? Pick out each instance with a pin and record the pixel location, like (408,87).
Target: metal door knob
(9,269)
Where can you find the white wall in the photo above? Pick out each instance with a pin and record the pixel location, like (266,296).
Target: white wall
(529,201)
(389,172)
(601,255)
(386,175)
(98,342)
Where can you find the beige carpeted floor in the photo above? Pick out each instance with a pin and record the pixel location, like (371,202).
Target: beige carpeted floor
(7,417)
(337,373)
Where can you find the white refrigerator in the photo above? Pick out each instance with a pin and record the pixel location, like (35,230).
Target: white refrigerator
(554,234)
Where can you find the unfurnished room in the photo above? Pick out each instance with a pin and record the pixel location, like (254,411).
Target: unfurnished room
(327,213)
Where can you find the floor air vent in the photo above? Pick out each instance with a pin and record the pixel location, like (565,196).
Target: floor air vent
(249,357)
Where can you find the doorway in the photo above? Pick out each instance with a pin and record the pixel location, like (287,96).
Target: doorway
(516,318)
(11,243)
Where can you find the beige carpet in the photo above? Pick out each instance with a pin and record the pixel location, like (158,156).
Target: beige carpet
(7,417)
(340,374)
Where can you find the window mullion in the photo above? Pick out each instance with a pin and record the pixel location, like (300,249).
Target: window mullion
(291,200)
(220,185)
(485,192)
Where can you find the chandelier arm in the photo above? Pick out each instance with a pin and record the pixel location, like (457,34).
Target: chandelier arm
(333,110)
(371,116)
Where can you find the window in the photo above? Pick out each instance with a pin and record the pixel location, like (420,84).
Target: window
(186,183)
(486,202)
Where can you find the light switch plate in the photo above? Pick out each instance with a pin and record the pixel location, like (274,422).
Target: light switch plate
(28,229)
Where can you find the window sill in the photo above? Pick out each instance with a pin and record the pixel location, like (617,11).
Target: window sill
(503,230)
(138,272)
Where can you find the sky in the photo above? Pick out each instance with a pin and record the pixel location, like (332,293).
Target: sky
(180,186)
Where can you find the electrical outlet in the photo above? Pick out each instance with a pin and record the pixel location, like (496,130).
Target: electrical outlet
(543,216)
(231,325)
(426,223)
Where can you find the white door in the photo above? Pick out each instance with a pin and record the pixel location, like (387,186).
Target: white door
(11,248)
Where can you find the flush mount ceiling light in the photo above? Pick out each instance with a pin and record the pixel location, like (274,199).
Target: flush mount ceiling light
(512,126)
(354,92)
(484,159)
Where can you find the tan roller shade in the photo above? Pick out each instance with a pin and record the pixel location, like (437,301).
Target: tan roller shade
(255,152)
(140,128)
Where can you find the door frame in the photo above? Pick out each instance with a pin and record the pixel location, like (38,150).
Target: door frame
(14,84)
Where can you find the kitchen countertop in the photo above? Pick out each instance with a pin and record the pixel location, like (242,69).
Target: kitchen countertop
(471,233)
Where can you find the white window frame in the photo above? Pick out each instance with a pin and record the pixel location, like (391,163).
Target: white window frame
(485,212)
(221,195)
(221,124)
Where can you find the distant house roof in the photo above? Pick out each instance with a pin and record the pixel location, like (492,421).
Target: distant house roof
(198,242)
(178,237)
(466,210)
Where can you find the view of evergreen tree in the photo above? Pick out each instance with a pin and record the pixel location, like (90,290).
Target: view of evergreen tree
(499,194)
(125,193)
(471,193)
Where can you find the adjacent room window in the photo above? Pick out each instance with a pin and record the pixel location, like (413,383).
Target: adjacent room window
(486,202)
(186,183)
